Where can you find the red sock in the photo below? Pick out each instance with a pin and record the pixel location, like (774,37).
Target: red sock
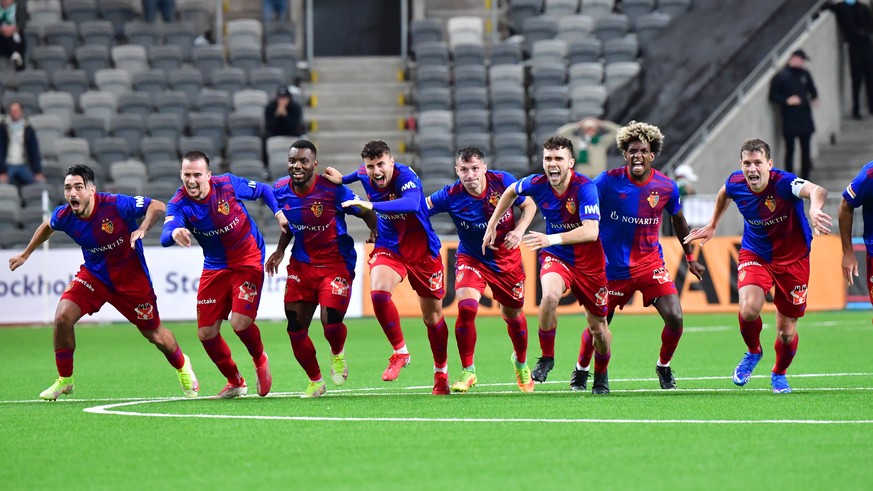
(601,362)
(547,342)
(438,335)
(586,349)
(251,337)
(784,353)
(388,317)
(304,351)
(64,362)
(465,330)
(219,353)
(751,331)
(517,329)
(336,337)
(177,359)
(669,341)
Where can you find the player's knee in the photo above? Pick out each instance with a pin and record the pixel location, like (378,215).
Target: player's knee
(333,316)
(294,324)
(673,319)
(749,312)
(550,301)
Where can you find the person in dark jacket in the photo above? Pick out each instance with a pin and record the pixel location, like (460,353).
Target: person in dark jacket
(283,116)
(794,91)
(856,23)
(20,160)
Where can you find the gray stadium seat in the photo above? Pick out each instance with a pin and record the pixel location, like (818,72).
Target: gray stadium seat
(139,103)
(283,56)
(151,82)
(131,127)
(229,79)
(79,11)
(97,32)
(434,98)
(60,104)
(166,58)
(142,33)
(92,57)
(472,121)
(75,82)
(469,55)
(63,34)
(165,125)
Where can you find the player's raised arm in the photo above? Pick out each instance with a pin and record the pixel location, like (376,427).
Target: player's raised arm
(817,196)
(337,177)
(587,231)
(514,237)
(42,234)
(506,199)
(706,232)
(849,262)
(154,212)
(175,230)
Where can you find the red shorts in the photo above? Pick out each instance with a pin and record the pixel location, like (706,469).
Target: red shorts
(328,286)
(425,275)
(223,291)
(870,277)
(653,284)
(589,289)
(791,281)
(507,286)
(137,303)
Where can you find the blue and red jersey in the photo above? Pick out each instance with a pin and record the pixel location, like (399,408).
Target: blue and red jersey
(220,222)
(471,214)
(566,212)
(105,237)
(403,229)
(859,192)
(631,221)
(775,226)
(318,222)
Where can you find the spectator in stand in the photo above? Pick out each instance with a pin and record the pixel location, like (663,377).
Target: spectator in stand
(794,91)
(167,8)
(274,10)
(592,138)
(856,24)
(283,116)
(685,178)
(11,36)
(20,160)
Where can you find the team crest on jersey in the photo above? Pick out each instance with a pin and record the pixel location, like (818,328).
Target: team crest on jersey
(248,291)
(601,298)
(436,281)
(494,198)
(317,209)
(107,226)
(741,275)
(518,291)
(145,311)
(653,199)
(571,206)
(339,286)
(798,295)
(547,263)
(770,203)
(661,275)
(223,207)
(392,196)
(459,277)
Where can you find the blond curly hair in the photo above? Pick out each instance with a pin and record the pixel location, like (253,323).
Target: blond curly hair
(636,131)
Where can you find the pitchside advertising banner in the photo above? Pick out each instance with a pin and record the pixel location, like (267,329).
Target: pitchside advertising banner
(30,294)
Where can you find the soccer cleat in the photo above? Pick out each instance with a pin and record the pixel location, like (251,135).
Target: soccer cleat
(579,379)
(395,363)
(522,376)
(339,369)
(744,370)
(440,384)
(544,365)
(467,380)
(314,389)
(265,378)
(779,383)
(232,390)
(190,385)
(665,377)
(63,385)
(601,383)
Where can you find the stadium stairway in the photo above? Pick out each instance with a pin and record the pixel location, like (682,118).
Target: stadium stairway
(838,163)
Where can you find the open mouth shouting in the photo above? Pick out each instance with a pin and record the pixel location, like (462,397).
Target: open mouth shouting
(76,205)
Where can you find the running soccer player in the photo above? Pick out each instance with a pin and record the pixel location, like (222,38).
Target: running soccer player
(470,202)
(210,208)
(115,272)
(571,255)
(632,201)
(775,249)
(322,264)
(859,193)
(406,245)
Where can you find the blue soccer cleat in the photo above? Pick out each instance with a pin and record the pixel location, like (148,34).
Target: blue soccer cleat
(779,383)
(744,370)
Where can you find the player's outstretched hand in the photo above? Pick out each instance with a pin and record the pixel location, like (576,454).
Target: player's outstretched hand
(512,240)
(488,239)
(374,234)
(333,175)
(273,262)
(821,221)
(363,205)
(705,233)
(535,240)
(135,236)
(283,221)
(182,237)
(16,261)
(850,268)
(696,269)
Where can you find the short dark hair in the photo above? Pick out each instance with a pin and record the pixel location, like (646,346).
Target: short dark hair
(557,143)
(82,171)
(467,154)
(375,149)
(196,155)
(755,145)
(305,144)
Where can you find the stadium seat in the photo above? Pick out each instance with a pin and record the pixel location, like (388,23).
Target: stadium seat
(512,75)
(49,129)
(126,170)
(277,32)
(161,190)
(509,121)
(548,51)
(574,27)
(252,170)
(245,124)
(132,128)
(63,34)
(180,35)
(173,102)
(586,50)
(72,151)
(432,53)
(521,10)
(433,76)
(472,121)
(113,80)
(197,13)
(244,32)
(647,27)
(130,58)
(587,100)
(471,98)
(92,57)
(507,97)
(165,125)
(435,145)
(482,141)
(553,97)
(74,82)
(118,13)
(560,8)
(99,105)
(167,171)
(435,121)
(244,148)
(208,58)
(611,26)
(251,101)
(618,73)
(246,57)
(43,12)
(214,101)
(277,149)
(548,74)
(621,49)
(267,79)
(208,125)
(517,165)
(284,57)
(635,9)
(78,11)
(60,104)
(438,167)
(167,58)
(434,98)
(110,149)
(50,58)
(229,79)
(90,128)
(142,33)
(32,81)
(537,29)
(464,55)
(151,82)
(597,8)
(139,103)
(510,144)
(426,30)
(465,30)
(582,74)
(470,76)
(187,80)
(97,32)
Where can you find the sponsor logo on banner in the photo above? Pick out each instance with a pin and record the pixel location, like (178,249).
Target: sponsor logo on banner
(145,311)
(107,226)
(339,286)
(601,297)
(770,203)
(653,199)
(436,281)
(223,207)
(317,209)
(798,295)
(570,205)
(248,291)
(661,275)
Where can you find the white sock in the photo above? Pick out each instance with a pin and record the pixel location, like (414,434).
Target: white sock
(402,351)
(662,364)
(585,369)
(437,369)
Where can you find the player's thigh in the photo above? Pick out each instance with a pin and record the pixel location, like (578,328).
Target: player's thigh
(139,306)
(246,285)
(507,287)
(387,270)
(335,289)
(792,283)
(426,278)
(591,290)
(85,291)
(214,300)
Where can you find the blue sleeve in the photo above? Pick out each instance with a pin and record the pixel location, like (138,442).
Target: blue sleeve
(508,181)
(858,190)
(589,205)
(728,188)
(132,207)
(354,176)
(410,196)
(343,194)
(675,204)
(174,219)
(523,187)
(252,190)
(56,224)
(783,186)
(601,182)
(438,201)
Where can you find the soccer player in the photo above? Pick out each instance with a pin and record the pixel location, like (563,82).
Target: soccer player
(775,249)
(115,272)
(571,255)
(632,201)
(859,193)
(406,245)
(322,264)
(470,202)
(210,208)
